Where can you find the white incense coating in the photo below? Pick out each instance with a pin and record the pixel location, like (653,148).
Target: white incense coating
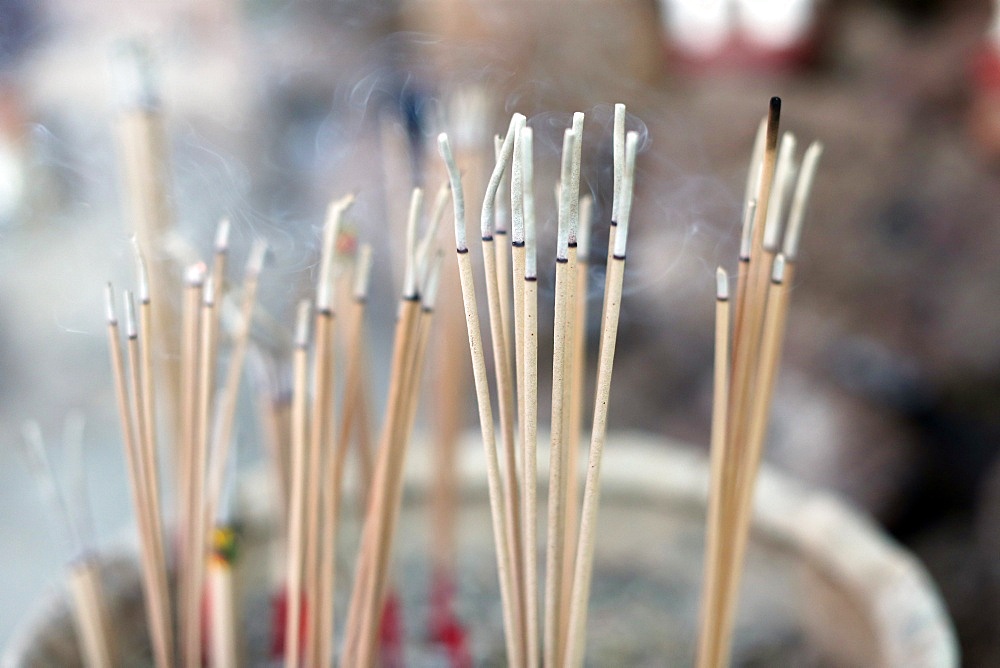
(528,174)
(134,76)
(302,324)
(500,215)
(746,233)
(428,295)
(457,196)
(618,149)
(628,186)
(583,234)
(410,287)
(131,327)
(783,174)
(141,272)
(426,249)
(562,238)
(489,201)
(331,230)
(222,236)
(778,268)
(800,200)
(574,177)
(756,162)
(362,271)
(109,304)
(721,284)
(517,189)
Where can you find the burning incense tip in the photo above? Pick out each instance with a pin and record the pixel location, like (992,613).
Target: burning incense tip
(410,287)
(222,236)
(721,284)
(773,116)
(109,304)
(131,330)
(134,75)
(208,295)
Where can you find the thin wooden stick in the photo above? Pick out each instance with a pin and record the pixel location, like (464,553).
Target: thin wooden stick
(198,536)
(575,403)
(223,433)
(89,614)
(321,422)
(769,358)
(158,628)
(708,637)
(296,520)
(145,165)
(591,496)
(556,532)
(355,402)
(529,428)
(147,459)
(364,615)
(505,388)
(496,492)
(188,434)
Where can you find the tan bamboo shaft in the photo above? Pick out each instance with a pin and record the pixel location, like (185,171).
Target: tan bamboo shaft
(147,462)
(296,520)
(572,415)
(495,486)
(158,629)
(142,143)
(190,355)
(366,630)
(591,494)
(89,615)
(718,456)
(530,431)
(230,394)
(319,434)
(198,537)
(557,485)
(770,354)
(506,407)
(329,497)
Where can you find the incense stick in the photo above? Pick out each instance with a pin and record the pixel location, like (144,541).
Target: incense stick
(158,626)
(707,642)
(496,493)
(591,495)
(296,520)
(556,506)
(529,427)
(505,390)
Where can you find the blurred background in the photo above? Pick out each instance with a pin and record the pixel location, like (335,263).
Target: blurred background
(890,388)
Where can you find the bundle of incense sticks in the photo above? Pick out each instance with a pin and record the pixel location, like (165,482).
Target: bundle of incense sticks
(748,342)
(513,323)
